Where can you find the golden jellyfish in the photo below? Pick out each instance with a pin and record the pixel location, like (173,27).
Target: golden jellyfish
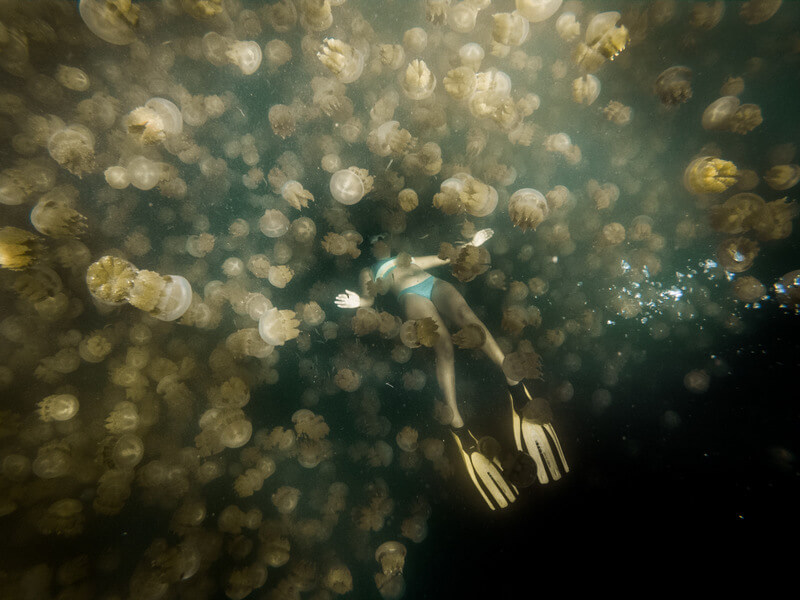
(568,27)
(674,85)
(782,177)
(19,249)
(276,327)
(737,254)
(462,16)
(697,381)
(737,214)
(407,439)
(470,336)
(733,86)
(72,78)
(618,113)
(58,407)
(418,82)
(338,579)
(709,175)
(73,148)
(527,208)
(510,29)
(748,289)
(113,22)
(391,556)
(612,234)
(706,15)
(522,364)
(347,380)
(585,89)
(281,120)
(537,11)
(755,12)
(342,60)
(718,114)
(296,195)
(407,199)
(54,214)
(273,223)
(349,186)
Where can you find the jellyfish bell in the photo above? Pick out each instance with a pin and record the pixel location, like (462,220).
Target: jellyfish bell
(245,55)
(143,173)
(168,113)
(462,16)
(718,115)
(537,11)
(346,187)
(114,23)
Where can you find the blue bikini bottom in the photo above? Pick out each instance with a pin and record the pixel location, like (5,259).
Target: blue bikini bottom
(424,288)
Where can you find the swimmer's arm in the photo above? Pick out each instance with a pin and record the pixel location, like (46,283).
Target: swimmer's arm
(431,261)
(350,299)
(364,278)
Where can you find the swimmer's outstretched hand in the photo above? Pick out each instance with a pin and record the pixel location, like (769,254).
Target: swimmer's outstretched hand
(481,237)
(348,300)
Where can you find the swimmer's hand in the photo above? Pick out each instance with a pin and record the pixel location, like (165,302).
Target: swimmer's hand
(481,237)
(348,300)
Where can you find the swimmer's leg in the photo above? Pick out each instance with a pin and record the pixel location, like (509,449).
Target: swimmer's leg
(451,304)
(417,307)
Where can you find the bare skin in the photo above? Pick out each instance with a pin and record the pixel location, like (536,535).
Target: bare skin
(446,306)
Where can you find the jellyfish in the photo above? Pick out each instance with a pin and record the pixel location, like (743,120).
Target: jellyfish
(345,62)
(276,327)
(782,177)
(462,16)
(527,208)
(19,249)
(418,82)
(510,29)
(113,21)
(143,173)
(72,78)
(568,27)
(537,11)
(585,89)
(72,147)
(58,407)
(349,186)
(154,121)
(54,214)
(737,254)
(245,55)
(709,175)
(674,86)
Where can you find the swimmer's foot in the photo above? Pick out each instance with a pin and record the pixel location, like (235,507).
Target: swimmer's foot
(486,475)
(534,433)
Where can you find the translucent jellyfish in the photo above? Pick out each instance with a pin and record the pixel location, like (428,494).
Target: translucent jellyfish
(117,177)
(782,177)
(585,89)
(315,15)
(717,115)
(754,12)
(345,62)
(391,556)
(154,121)
(510,29)
(276,327)
(58,407)
(19,249)
(462,16)
(144,173)
(418,82)
(537,11)
(748,289)
(737,254)
(709,175)
(280,275)
(471,55)
(697,381)
(236,433)
(527,208)
(612,234)
(347,380)
(460,82)
(349,186)
(273,223)
(245,55)
(281,120)
(285,499)
(113,21)
(278,53)
(568,27)
(407,439)
(407,200)
(54,214)
(128,451)
(73,148)
(72,78)
(389,139)
(618,113)
(674,85)
(296,195)
(522,364)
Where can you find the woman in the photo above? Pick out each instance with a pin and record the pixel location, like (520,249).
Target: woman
(422,295)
